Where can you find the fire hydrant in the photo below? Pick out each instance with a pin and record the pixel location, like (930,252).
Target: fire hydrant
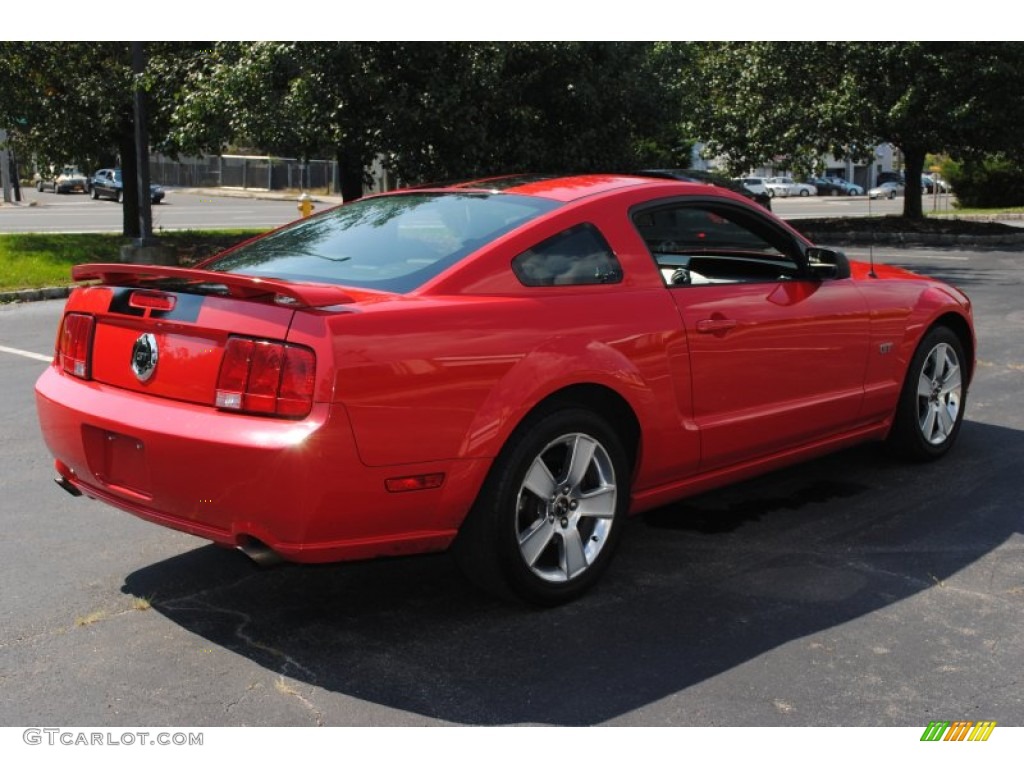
(305,205)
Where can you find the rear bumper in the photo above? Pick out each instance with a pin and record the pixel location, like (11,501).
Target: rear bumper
(296,486)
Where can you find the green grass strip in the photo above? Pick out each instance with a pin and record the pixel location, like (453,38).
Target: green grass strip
(45,260)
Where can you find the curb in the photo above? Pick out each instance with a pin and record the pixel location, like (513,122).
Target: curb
(34,294)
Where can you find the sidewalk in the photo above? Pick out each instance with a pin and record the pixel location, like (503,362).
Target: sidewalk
(252,194)
(258,194)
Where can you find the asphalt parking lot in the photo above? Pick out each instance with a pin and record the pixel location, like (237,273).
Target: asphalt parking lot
(852,591)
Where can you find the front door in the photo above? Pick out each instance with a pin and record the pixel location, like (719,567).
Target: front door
(777,357)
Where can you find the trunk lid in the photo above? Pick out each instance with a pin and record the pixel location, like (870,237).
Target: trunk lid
(162,331)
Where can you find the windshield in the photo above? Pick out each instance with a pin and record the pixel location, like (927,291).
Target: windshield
(389,243)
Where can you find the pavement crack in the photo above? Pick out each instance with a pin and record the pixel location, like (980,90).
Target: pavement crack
(284,686)
(244,620)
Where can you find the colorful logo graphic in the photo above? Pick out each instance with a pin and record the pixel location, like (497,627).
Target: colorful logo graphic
(958,730)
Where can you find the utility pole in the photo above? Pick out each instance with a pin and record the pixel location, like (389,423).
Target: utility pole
(5,166)
(146,249)
(142,149)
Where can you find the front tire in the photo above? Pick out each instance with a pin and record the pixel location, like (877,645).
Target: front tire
(931,405)
(550,514)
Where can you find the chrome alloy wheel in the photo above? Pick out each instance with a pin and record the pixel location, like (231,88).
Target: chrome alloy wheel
(566,507)
(939,390)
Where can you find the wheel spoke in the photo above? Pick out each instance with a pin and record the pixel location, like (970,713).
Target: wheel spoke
(924,386)
(599,503)
(582,454)
(539,480)
(951,380)
(928,423)
(574,558)
(535,540)
(945,421)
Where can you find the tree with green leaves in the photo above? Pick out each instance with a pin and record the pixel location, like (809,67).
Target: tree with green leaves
(796,100)
(440,109)
(491,108)
(288,98)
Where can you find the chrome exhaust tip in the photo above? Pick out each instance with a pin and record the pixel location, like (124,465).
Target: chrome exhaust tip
(67,485)
(260,553)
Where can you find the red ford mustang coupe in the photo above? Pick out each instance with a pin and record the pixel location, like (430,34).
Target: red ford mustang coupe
(505,368)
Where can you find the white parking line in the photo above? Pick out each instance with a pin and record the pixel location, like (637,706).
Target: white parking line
(29,355)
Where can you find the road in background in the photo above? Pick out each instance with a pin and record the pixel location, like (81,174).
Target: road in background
(826,207)
(80,213)
(234,209)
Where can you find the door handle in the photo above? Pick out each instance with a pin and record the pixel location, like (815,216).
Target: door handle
(716,325)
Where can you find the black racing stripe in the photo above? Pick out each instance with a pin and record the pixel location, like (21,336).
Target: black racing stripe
(119,304)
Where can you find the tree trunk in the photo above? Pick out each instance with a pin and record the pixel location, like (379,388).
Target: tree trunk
(914,157)
(350,166)
(129,182)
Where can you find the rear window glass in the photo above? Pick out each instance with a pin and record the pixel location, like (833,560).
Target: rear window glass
(391,243)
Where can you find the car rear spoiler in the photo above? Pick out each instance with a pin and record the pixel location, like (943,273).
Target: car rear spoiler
(235,285)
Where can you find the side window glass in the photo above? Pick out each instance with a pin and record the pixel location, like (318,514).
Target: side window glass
(577,256)
(695,244)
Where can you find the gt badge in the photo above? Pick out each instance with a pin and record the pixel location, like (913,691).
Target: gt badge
(144,356)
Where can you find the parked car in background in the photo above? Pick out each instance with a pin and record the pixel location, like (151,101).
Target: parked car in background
(756,185)
(505,367)
(889,190)
(933,184)
(107,183)
(70,179)
(779,186)
(849,188)
(885,176)
(787,186)
(826,187)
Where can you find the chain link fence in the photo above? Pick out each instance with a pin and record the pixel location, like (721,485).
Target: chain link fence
(245,172)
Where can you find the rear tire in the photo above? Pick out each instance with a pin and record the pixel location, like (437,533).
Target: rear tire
(550,514)
(931,405)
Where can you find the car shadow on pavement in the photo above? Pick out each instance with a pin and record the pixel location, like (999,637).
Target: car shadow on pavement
(697,589)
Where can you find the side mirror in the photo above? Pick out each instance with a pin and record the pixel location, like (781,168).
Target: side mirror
(827,263)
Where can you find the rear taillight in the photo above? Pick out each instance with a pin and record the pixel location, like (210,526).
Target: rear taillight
(268,377)
(75,344)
